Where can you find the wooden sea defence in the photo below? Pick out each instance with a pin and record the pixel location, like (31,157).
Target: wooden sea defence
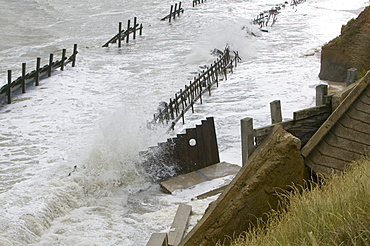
(196,2)
(344,136)
(195,149)
(123,35)
(184,100)
(303,125)
(174,11)
(36,75)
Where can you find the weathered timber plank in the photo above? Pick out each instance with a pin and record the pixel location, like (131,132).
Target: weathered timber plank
(221,169)
(319,169)
(360,115)
(327,161)
(336,115)
(346,144)
(212,192)
(183,181)
(327,149)
(207,173)
(361,106)
(179,225)
(340,131)
(350,121)
(311,112)
(158,239)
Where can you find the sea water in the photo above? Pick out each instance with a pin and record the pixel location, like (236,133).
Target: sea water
(69,167)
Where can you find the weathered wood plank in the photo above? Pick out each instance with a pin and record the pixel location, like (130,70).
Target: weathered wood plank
(340,131)
(320,169)
(158,239)
(329,150)
(207,173)
(348,144)
(212,192)
(327,161)
(350,121)
(311,112)
(336,115)
(179,225)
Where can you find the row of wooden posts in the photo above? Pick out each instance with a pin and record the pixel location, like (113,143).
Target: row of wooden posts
(184,100)
(173,12)
(303,125)
(36,75)
(196,2)
(125,34)
(265,17)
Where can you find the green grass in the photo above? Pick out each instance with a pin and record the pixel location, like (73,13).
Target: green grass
(334,212)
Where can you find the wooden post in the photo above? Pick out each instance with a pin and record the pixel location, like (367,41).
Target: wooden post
(50,64)
(174,12)
(9,86)
(275,109)
(141,29)
(183,117)
(63,58)
(37,71)
(352,75)
(247,136)
(171,13)
(178,14)
(134,36)
(128,31)
(74,55)
(321,93)
(23,77)
(119,34)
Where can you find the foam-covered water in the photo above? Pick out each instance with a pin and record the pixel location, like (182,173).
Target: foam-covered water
(93,117)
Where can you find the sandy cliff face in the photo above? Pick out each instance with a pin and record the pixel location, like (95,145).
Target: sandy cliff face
(349,50)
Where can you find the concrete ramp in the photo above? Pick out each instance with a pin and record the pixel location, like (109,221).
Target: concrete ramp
(344,136)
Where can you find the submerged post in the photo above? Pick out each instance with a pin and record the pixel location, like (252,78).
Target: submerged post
(119,34)
(171,13)
(63,58)
(128,31)
(74,55)
(9,86)
(174,12)
(275,108)
(23,77)
(135,20)
(321,93)
(247,136)
(179,9)
(37,71)
(50,64)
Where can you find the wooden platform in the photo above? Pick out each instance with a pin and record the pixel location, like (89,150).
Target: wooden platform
(188,180)
(344,136)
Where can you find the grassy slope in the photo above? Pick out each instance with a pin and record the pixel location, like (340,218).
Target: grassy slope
(336,212)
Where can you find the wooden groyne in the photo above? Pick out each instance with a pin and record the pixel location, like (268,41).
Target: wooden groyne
(196,148)
(173,12)
(125,34)
(172,112)
(196,2)
(36,75)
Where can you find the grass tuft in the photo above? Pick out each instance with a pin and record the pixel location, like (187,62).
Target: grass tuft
(335,211)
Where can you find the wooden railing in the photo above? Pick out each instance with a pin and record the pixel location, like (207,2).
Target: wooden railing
(36,75)
(172,112)
(125,34)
